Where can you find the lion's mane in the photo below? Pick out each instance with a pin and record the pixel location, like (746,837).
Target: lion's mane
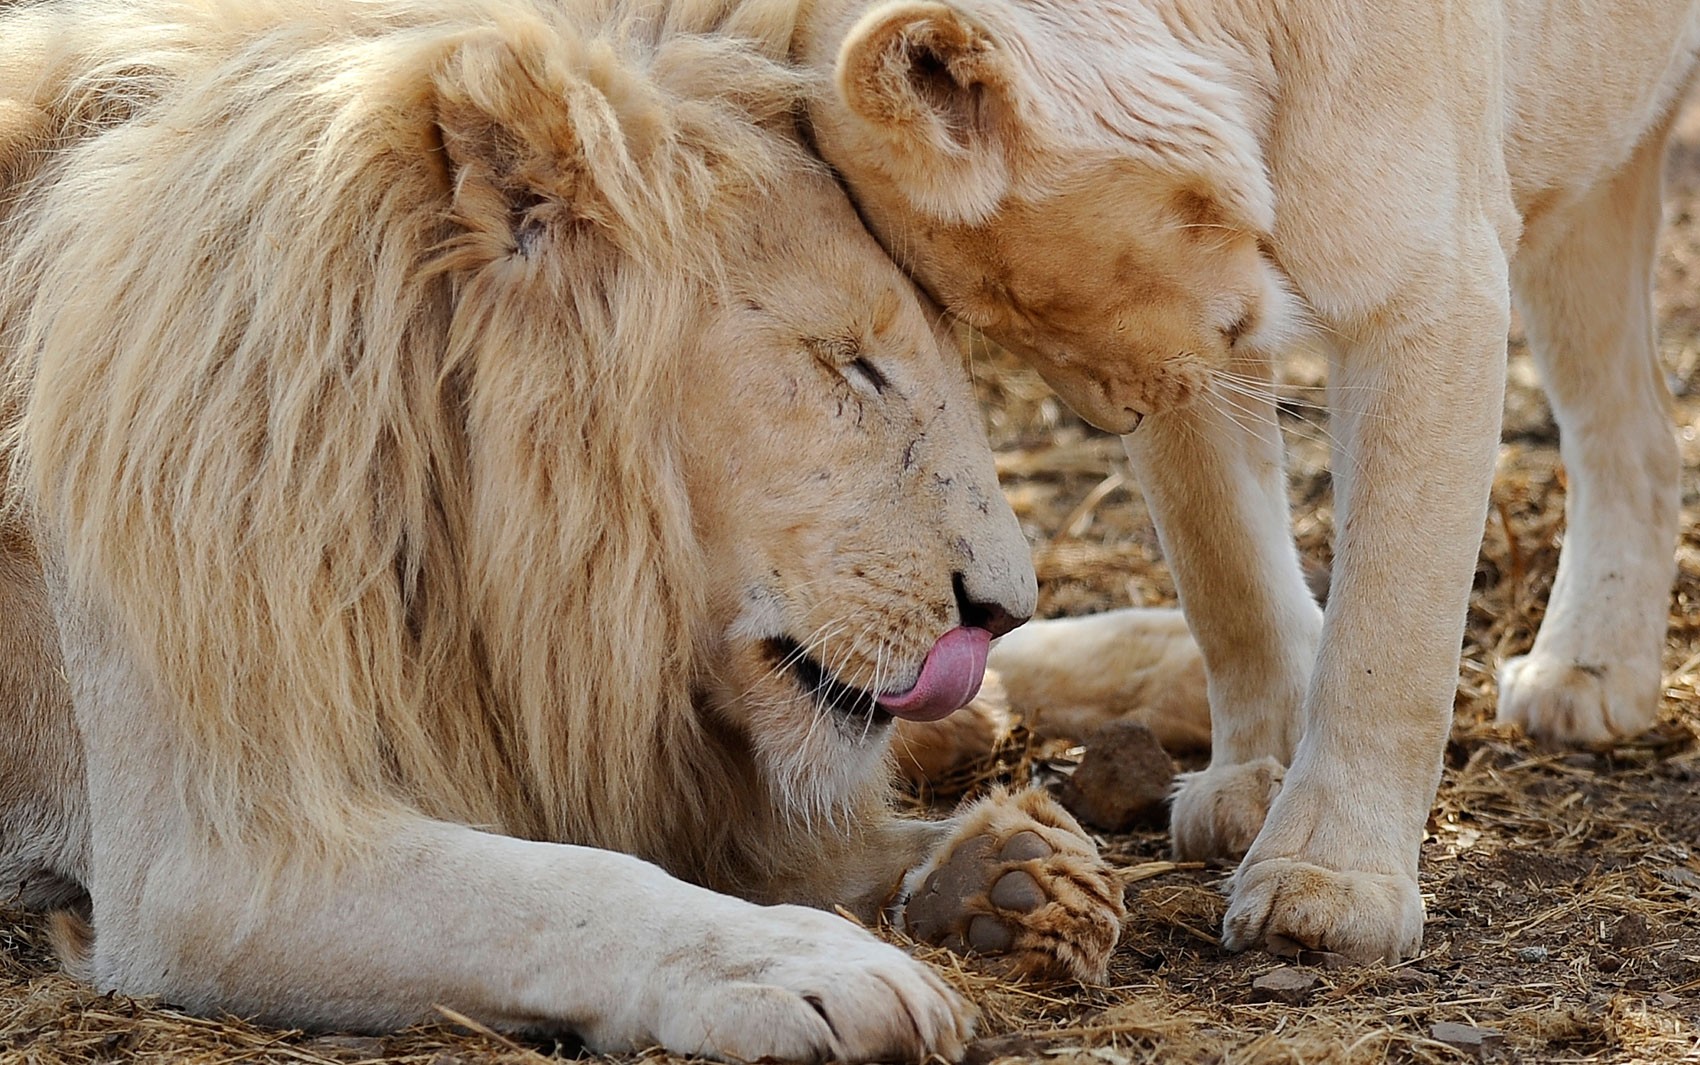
(344,344)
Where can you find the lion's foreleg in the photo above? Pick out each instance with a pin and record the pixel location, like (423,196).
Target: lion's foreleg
(409,913)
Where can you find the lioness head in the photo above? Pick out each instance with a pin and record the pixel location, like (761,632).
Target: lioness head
(1085,190)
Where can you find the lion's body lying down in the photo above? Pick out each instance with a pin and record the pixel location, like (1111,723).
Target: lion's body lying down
(442,425)
(1150,199)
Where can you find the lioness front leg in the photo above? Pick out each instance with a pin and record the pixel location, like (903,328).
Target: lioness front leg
(1335,867)
(1212,475)
(1583,282)
(1018,879)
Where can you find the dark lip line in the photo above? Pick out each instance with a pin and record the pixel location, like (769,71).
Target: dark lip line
(845,701)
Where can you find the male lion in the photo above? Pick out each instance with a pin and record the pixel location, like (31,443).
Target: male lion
(465,451)
(1149,199)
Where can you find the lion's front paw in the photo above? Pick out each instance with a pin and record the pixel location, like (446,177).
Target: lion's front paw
(1577,703)
(795,984)
(1287,905)
(1019,880)
(1218,812)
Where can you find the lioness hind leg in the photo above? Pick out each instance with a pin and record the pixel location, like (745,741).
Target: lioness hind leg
(1069,676)
(1020,881)
(1584,286)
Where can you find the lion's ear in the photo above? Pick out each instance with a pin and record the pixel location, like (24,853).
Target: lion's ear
(505,112)
(935,86)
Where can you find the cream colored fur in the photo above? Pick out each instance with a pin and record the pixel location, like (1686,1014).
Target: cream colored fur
(1151,199)
(427,419)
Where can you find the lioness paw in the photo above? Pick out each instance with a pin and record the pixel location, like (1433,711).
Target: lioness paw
(1218,812)
(1566,702)
(1021,882)
(794,984)
(1286,905)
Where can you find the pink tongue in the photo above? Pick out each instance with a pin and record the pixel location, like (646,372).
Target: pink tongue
(949,678)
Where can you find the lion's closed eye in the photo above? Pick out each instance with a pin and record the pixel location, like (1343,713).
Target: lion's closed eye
(864,375)
(844,357)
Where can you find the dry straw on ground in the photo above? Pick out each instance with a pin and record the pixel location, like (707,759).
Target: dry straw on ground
(1563,889)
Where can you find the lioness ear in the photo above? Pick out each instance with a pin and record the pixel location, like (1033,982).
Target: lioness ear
(935,87)
(506,115)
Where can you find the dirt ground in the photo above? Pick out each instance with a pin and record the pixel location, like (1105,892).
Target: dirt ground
(1563,889)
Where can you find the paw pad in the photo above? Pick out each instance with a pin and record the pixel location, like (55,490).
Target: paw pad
(1017,890)
(1025,847)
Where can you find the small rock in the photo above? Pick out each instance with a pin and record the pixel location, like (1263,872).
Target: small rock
(1531,954)
(1322,959)
(1631,932)
(1123,779)
(1466,1037)
(1285,984)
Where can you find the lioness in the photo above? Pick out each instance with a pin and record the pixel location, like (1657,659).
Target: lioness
(1150,199)
(465,451)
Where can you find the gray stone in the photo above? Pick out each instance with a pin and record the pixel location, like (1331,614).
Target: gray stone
(1286,985)
(1466,1037)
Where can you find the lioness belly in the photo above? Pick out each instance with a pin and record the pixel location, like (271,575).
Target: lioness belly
(1586,83)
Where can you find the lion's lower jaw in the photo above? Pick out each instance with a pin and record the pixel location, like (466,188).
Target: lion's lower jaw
(828,777)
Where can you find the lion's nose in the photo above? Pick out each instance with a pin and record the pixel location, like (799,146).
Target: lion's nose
(980,614)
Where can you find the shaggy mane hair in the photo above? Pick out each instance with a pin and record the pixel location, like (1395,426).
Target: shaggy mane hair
(343,341)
